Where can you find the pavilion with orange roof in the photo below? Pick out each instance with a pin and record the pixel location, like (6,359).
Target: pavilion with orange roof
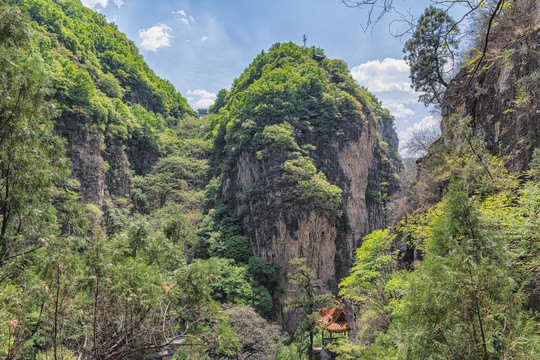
(332,319)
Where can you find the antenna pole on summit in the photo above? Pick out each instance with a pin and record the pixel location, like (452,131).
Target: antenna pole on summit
(305,39)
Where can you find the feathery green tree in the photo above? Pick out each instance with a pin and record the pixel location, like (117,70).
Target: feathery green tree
(462,302)
(302,282)
(429,51)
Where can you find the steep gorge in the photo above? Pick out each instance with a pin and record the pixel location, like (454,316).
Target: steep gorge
(305,158)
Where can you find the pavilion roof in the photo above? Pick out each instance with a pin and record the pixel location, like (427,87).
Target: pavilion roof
(333,318)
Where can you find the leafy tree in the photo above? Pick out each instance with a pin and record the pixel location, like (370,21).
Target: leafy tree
(171,178)
(31,158)
(372,283)
(313,187)
(237,248)
(136,302)
(74,87)
(110,86)
(219,103)
(266,273)
(429,52)
(461,303)
(258,337)
(302,285)
(234,285)
(515,215)
(280,136)
(179,230)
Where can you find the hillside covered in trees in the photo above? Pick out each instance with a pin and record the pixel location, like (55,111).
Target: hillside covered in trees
(304,161)
(130,226)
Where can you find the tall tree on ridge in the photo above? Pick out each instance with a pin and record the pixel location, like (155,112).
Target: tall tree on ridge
(429,52)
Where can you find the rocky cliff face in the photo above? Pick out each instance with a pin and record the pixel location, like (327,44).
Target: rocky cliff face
(281,228)
(83,148)
(98,162)
(356,154)
(114,110)
(503,100)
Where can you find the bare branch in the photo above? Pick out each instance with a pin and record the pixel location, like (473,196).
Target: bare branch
(376,9)
(421,140)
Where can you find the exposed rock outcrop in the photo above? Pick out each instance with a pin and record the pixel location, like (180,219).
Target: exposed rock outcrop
(503,100)
(83,148)
(281,172)
(100,164)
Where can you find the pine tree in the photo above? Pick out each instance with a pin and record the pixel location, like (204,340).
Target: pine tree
(32,159)
(428,53)
(302,282)
(462,303)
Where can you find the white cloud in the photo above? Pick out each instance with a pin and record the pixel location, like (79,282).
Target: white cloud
(156,37)
(204,38)
(427,122)
(184,17)
(399,110)
(389,81)
(103,3)
(180,12)
(388,75)
(201,99)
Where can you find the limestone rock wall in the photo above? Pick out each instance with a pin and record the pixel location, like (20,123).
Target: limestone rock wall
(503,101)
(280,228)
(99,163)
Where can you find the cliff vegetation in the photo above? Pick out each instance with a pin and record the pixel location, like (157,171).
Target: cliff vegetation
(457,274)
(129,225)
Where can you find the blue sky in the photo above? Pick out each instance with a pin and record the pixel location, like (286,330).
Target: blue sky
(201,46)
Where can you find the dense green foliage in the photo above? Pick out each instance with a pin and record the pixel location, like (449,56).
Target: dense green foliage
(98,49)
(245,279)
(157,257)
(31,157)
(462,299)
(372,283)
(429,52)
(307,300)
(468,297)
(465,298)
(99,79)
(288,106)
(85,280)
